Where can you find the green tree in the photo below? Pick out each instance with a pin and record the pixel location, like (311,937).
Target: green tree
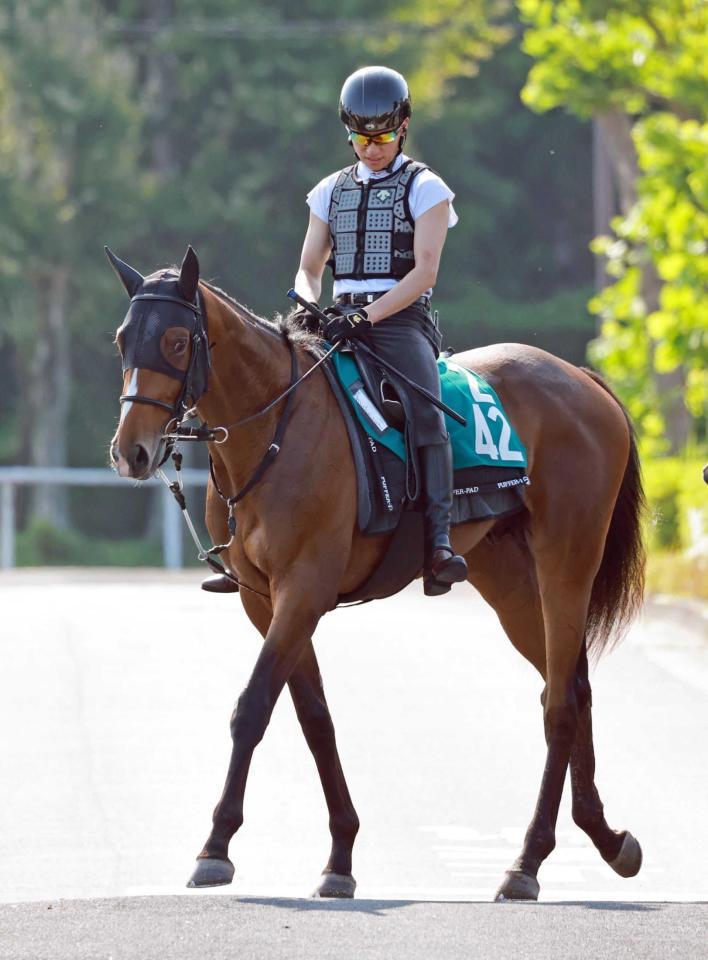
(639,68)
(206,122)
(68,148)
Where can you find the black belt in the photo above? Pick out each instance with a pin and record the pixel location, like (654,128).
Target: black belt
(364,299)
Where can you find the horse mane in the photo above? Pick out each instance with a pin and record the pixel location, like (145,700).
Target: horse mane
(280,325)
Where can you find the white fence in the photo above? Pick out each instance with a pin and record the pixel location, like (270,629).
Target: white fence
(12,477)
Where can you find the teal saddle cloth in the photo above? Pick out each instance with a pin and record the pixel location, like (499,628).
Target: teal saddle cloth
(489,460)
(489,439)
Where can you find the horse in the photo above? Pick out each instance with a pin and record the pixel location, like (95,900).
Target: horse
(565,576)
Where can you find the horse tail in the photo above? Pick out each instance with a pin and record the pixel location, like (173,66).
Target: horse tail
(618,589)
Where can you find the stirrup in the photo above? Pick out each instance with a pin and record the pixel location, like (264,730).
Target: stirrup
(219,583)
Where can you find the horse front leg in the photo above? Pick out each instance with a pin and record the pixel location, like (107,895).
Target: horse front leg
(307,692)
(312,711)
(290,630)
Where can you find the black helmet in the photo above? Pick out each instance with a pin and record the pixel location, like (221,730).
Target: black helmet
(374,100)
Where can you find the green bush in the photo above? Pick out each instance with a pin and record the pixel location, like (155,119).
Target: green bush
(674,488)
(42,544)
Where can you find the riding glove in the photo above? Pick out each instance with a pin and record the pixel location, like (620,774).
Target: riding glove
(348,327)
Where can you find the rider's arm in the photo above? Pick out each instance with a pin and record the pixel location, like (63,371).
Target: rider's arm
(315,253)
(428,241)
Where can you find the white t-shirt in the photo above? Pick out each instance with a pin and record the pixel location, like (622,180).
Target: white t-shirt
(427,189)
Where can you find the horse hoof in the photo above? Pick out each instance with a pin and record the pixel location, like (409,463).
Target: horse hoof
(517,886)
(629,859)
(336,885)
(210,872)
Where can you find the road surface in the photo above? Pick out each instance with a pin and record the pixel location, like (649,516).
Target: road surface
(115,696)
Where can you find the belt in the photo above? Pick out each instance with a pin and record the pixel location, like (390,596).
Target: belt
(364,299)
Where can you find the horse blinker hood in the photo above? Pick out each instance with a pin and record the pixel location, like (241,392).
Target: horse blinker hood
(156,305)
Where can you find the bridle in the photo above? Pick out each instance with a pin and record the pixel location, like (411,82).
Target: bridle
(200,349)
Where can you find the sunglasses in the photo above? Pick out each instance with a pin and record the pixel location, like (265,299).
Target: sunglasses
(362,139)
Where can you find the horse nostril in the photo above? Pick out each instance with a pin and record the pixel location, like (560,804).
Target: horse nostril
(114,453)
(141,458)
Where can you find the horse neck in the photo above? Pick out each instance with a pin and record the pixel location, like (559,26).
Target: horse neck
(250,366)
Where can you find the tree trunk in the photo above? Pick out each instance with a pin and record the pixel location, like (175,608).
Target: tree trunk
(50,396)
(160,79)
(616,131)
(604,198)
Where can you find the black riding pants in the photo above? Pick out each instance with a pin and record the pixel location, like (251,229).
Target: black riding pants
(408,340)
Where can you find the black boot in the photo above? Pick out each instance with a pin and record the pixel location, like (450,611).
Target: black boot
(219,583)
(443,566)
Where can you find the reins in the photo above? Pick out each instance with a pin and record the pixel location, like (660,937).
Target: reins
(204,433)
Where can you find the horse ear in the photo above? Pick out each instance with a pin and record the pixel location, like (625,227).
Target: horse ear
(130,278)
(189,275)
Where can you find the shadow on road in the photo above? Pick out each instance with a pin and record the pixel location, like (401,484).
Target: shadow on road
(376,908)
(382,907)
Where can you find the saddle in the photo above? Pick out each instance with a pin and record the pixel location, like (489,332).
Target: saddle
(375,414)
(379,390)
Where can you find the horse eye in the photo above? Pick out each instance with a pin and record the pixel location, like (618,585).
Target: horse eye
(180,346)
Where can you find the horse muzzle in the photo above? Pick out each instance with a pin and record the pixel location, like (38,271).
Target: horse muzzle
(138,459)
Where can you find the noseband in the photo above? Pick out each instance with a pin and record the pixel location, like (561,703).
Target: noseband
(199,343)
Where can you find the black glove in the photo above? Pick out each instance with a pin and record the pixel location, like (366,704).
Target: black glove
(349,326)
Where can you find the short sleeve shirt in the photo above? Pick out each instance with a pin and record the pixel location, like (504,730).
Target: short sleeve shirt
(427,190)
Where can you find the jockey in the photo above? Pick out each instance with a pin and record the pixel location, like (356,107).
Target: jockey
(380,224)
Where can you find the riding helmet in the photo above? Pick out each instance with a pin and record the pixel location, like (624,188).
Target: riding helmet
(374,100)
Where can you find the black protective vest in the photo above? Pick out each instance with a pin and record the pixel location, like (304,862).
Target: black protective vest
(371,224)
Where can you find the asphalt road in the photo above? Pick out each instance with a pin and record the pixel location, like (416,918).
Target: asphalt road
(115,695)
(216,928)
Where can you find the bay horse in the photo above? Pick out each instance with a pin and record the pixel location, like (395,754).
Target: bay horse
(565,577)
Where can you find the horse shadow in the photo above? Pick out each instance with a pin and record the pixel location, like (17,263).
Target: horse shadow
(381,908)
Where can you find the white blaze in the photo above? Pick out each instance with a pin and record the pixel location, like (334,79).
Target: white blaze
(131,392)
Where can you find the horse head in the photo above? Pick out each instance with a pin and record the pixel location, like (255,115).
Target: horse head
(164,347)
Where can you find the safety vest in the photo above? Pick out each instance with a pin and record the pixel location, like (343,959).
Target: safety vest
(371,224)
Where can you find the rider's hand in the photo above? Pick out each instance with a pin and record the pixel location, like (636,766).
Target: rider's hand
(349,326)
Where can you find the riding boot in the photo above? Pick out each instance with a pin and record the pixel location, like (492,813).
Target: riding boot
(219,583)
(443,566)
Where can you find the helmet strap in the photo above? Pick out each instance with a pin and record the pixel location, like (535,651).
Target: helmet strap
(389,168)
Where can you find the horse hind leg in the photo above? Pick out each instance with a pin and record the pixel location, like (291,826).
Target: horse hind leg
(620,849)
(314,716)
(515,597)
(564,596)
(504,574)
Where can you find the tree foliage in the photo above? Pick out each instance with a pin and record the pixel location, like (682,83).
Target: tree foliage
(647,61)
(451,38)
(150,124)
(69,144)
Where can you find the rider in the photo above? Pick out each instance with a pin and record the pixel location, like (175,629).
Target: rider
(380,224)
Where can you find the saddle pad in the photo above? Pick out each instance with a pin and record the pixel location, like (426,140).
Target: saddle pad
(479,493)
(488,440)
